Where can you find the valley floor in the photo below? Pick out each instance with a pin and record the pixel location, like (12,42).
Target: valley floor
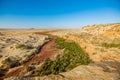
(100,42)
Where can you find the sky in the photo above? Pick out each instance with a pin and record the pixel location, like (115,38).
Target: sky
(57,13)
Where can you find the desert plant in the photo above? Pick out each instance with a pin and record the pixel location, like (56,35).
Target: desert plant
(111,45)
(2,72)
(23,46)
(0,55)
(7,40)
(116,40)
(30,68)
(11,62)
(94,53)
(33,52)
(29,56)
(45,69)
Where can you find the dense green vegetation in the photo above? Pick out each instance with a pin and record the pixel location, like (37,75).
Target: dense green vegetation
(73,56)
(111,45)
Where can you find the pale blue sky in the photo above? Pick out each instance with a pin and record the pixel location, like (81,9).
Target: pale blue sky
(57,13)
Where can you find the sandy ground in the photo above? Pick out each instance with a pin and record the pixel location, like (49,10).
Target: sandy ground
(35,38)
(10,38)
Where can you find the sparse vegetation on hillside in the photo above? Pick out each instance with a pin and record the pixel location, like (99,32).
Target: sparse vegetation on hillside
(72,57)
(11,62)
(111,45)
(30,56)
(23,46)
(115,43)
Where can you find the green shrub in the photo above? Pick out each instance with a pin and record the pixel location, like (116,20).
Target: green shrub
(45,69)
(23,46)
(72,57)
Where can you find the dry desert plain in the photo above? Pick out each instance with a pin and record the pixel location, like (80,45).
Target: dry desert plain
(87,53)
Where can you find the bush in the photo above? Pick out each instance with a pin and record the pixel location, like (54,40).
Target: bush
(29,56)
(7,40)
(11,62)
(1,56)
(45,69)
(33,52)
(23,46)
(2,72)
(72,57)
(30,68)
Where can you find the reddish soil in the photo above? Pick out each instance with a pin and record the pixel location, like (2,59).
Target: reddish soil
(15,72)
(47,51)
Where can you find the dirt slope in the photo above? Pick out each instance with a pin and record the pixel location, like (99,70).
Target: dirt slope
(48,50)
